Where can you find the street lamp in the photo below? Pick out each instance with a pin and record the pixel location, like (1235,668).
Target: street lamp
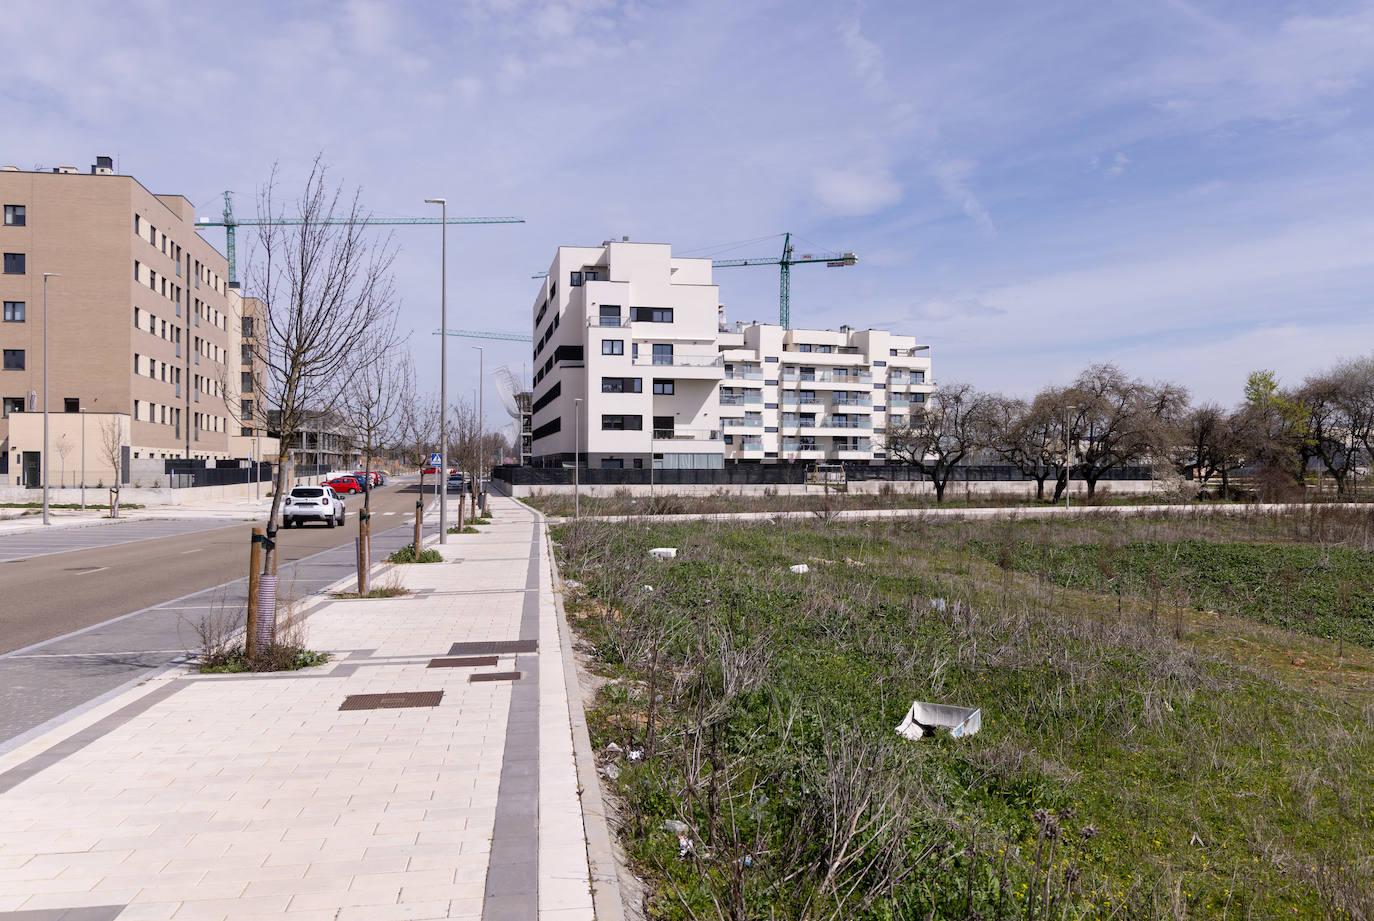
(481,424)
(46,276)
(577,457)
(443,368)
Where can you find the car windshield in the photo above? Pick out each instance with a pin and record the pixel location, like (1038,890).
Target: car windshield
(307,492)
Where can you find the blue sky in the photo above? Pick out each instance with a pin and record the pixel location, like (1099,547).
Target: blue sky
(1181,186)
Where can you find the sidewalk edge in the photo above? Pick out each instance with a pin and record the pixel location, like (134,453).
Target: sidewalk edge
(607,899)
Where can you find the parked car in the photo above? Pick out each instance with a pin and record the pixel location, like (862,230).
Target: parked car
(457,482)
(372,477)
(344,484)
(313,503)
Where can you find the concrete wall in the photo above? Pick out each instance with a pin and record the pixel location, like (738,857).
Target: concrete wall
(1024,489)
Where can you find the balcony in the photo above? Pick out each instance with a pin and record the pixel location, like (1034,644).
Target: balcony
(828,377)
(608,322)
(741,399)
(736,374)
(835,422)
(676,434)
(750,446)
(863,403)
(793,445)
(736,422)
(683,361)
(792,399)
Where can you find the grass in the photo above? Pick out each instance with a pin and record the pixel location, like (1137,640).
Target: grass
(407,555)
(276,658)
(1143,754)
(71,506)
(381,591)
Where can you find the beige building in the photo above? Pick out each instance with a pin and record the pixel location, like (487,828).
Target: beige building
(142,321)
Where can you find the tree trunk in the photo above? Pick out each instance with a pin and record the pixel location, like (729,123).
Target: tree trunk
(1092,485)
(1040,487)
(1061,483)
(939,484)
(1225,485)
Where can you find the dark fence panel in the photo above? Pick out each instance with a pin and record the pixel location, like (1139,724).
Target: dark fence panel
(197,473)
(768,475)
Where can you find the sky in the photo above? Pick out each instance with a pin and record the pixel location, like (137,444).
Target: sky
(1179,186)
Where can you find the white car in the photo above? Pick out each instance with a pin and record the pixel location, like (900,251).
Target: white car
(312,503)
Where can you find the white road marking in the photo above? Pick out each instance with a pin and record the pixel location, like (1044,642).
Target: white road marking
(89,571)
(197,550)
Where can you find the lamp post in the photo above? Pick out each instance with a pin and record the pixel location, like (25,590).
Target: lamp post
(481,423)
(577,457)
(83,459)
(443,369)
(46,276)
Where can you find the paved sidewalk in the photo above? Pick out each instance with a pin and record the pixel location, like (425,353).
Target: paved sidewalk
(258,797)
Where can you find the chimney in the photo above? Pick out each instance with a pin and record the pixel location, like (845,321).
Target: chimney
(624,239)
(103,166)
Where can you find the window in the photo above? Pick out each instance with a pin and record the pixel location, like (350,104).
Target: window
(548,397)
(246,409)
(918,377)
(247,326)
(664,426)
(663,388)
(612,346)
(15,215)
(622,423)
(622,385)
(663,353)
(14,311)
(14,264)
(610,315)
(11,405)
(652,314)
(576,280)
(246,382)
(611,463)
(548,428)
(246,354)
(14,360)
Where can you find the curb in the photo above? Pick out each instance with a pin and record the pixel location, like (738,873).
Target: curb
(607,899)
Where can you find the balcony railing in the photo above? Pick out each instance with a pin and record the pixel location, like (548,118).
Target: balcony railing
(861,445)
(612,322)
(830,377)
(750,445)
(792,398)
(794,445)
(898,377)
(740,399)
(682,361)
(838,401)
(735,422)
(834,422)
(676,434)
(738,375)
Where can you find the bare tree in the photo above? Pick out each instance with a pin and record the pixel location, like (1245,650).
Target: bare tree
(64,449)
(1339,404)
(935,438)
(323,289)
(378,393)
(1115,420)
(1029,436)
(112,453)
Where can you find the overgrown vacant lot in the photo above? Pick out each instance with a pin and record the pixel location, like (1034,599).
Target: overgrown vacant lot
(1144,753)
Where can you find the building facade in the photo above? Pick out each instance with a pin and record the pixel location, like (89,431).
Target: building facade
(140,318)
(636,368)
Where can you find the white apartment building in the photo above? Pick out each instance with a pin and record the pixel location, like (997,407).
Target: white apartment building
(633,361)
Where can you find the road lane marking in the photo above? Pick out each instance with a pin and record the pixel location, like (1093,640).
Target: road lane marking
(87,572)
(197,550)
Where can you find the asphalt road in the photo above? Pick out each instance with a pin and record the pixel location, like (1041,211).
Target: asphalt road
(75,625)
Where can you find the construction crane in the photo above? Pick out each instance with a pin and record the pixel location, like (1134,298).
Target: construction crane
(785,263)
(488,334)
(228,221)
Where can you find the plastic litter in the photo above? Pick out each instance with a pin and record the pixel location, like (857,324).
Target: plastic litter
(613,748)
(684,847)
(925,719)
(663,553)
(938,604)
(612,771)
(635,754)
(572,583)
(648,588)
(673,826)
(800,569)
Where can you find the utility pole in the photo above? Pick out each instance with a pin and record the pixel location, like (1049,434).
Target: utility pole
(577,457)
(83,459)
(46,276)
(481,424)
(443,368)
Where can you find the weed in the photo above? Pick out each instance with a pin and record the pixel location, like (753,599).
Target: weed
(407,555)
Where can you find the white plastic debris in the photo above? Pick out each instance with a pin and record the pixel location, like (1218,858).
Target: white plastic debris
(674,827)
(613,748)
(800,569)
(684,847)
(611,771)
(938,604)
(663,553)
(648,588)
(635,754)
(572,583)
(924,719)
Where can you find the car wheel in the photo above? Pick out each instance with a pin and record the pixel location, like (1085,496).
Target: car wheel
(329,522)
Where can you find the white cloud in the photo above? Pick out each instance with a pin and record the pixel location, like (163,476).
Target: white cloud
(954,179)
(854,191)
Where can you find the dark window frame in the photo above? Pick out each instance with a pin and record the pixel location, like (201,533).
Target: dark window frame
(19,212)
(19,259)
(12,315)
(612,346)
(665,388)
(6,361)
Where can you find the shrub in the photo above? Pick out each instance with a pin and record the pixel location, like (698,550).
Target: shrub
(407,554)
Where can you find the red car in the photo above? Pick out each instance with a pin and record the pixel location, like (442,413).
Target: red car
(430,471)
(344,484)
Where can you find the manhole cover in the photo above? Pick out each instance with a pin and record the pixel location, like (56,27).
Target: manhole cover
(396,701)
(468,662)
(495,676)
(494,647)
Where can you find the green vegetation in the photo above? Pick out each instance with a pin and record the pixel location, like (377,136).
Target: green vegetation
(71,506)
(465,529)
(407,555)
(381,591)
(280,657)
(1140,757)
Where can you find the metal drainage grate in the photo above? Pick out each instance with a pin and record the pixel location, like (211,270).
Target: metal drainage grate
(495,676)
(495,647)
(468,662)
(399,700)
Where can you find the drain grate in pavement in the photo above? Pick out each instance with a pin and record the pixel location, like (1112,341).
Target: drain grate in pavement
(396,701)
(494,647)
(467,662)
(495,676)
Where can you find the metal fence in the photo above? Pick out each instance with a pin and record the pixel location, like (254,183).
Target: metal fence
(183,474)
(768,475)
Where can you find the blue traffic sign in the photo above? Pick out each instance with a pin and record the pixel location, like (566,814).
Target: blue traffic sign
(434,459)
